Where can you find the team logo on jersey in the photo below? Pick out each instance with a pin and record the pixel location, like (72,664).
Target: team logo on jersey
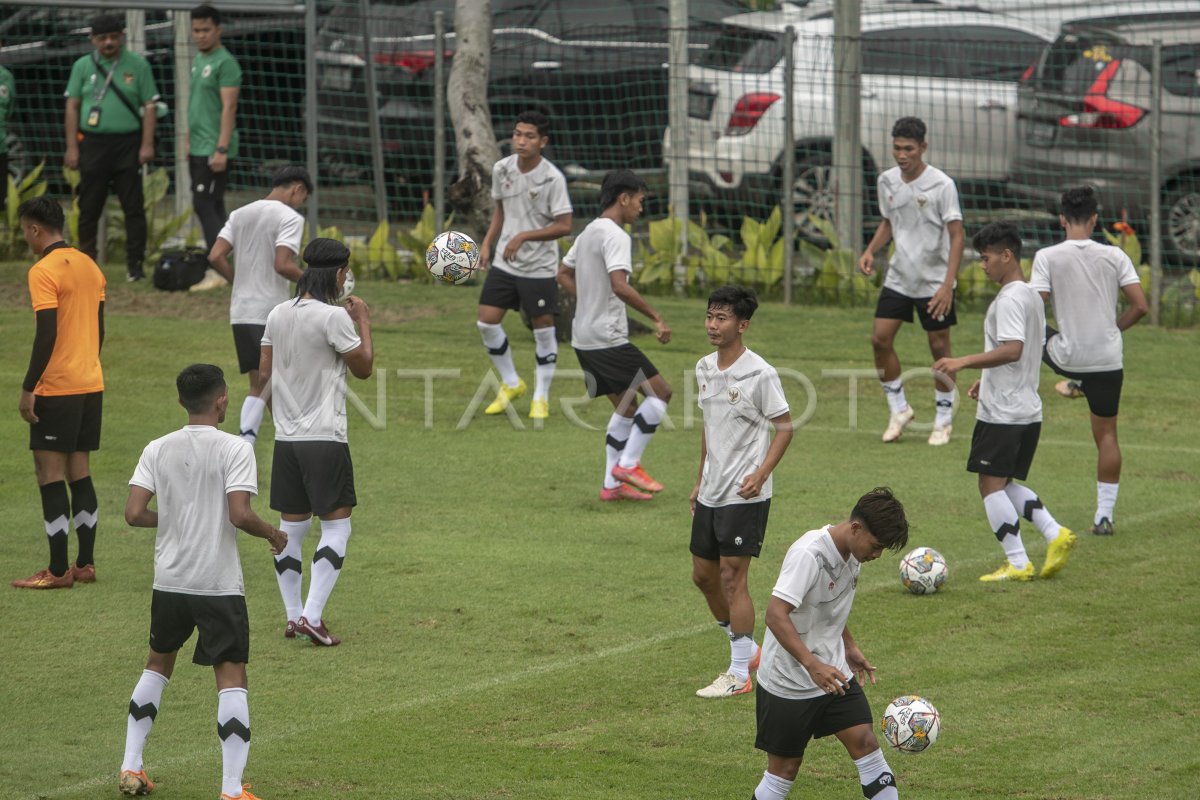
(922,201)
(831,585)
(4,92)
(737,541)
(204,73)
(734,395)
(533,193)
(128,78)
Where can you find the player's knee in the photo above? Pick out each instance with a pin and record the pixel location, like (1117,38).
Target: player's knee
(705,580)
(881,342)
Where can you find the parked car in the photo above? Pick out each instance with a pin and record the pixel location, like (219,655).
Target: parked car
(957,69)
(1084,116)
(597,70)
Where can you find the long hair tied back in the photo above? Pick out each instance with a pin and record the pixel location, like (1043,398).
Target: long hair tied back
(323,257)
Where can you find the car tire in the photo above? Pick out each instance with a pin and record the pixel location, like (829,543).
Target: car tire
(1181,222)
(813,195)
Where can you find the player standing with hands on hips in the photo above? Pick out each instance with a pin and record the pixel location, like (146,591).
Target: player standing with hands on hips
(919,206)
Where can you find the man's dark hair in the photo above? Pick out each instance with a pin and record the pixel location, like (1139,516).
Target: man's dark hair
(1078,204)
(107,23)
(742,301)
(618,182)
(909,128)
(287,175)
(537,119)
(42,211)
(883,516)
(998,236)
(199,385)
(323,257)
(206,12)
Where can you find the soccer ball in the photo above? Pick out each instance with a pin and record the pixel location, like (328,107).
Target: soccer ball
(923,571)
(452,257)
(910,724)
(347,287)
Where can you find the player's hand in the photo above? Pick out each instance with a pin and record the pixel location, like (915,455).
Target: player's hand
(827,678)
(357,309)
(145,154)
(866,263)
(485,256)
(26,408)
(219,162)
(859,665)
(939,304)
(514,244)
(278,541)
(662,332)
(752,485)
(948,366)
(71,158)
(693,497)
(973,392)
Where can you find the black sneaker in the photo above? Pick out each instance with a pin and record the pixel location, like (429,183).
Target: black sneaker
(1103,528)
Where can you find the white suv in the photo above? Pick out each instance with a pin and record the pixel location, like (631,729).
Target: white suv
(955,69)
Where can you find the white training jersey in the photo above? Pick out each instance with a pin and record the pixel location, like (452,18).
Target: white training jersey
(738,405)
(1084,278)
(308,376)
(254,231)
(531,201)
(1008,394)
(820,584)
(918,212)
(601,319)
(190,472)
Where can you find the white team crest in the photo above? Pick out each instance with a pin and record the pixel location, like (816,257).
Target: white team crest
(533,193)
(922,201)
(738,541)
(3,91)
(204,73)
(734,395)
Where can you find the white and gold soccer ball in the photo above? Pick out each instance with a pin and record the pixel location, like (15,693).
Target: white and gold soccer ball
(452,257)
(923,571)
(910,724)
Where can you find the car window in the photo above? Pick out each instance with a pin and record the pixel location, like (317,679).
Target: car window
(744,50)
(964,52)
(1181,69)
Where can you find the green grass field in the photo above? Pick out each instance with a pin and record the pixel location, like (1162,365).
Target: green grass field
(507,636)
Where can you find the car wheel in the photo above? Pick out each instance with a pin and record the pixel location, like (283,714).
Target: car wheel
(812,194)
(1181,222)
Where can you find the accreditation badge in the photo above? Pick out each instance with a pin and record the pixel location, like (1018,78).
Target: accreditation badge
(93,119)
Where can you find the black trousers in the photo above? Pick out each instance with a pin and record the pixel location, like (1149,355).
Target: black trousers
(4,180)
(208,196)
(111,160)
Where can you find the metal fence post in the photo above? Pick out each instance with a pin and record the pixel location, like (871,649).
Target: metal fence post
(847,125)
(677,118)
(310,113)
(183,84)
(379,181)
(1156,182)
(786,198)
(439,121)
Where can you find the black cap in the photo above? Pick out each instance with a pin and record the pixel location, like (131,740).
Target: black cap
(107,23)
(326,254)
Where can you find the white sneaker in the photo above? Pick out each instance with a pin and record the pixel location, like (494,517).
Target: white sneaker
(897,424)
(941,436)
(211,280)
(726,685)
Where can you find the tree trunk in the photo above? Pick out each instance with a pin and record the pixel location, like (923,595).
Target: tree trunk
(471,195)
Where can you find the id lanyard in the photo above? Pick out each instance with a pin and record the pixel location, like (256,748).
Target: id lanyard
(98,96)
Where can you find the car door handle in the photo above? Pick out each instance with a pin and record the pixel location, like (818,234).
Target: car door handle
(867,95)
(547,64)
(992,105)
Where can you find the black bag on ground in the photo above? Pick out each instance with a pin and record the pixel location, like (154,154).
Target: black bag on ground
(180,268)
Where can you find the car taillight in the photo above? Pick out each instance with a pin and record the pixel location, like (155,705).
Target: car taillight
(1028,73)
(748,111)
(413,62)
(1101,112)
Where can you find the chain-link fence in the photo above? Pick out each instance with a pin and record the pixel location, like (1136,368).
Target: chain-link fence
(1021,99)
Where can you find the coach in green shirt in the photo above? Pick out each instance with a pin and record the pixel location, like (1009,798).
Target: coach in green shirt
(212,110)
(7,93)
(110,120)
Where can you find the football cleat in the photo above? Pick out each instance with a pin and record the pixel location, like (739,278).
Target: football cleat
(941,436)
(539,409)
(1072,390)
(317,634)
(1009,573)
(754,662)
(1103,528)
(505,396)
(623,492)
(1057,553)
(84,574)
(289,631)
(245,795)
(135,783)
(45,579)
(726,685)
(897,423)
(637,477)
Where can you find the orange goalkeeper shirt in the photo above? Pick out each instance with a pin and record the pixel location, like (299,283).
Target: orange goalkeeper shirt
(67,280)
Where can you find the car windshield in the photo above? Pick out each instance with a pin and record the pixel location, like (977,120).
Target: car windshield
(744,50)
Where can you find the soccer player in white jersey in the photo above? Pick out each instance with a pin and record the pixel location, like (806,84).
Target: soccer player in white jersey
(1009,417)
(919,206)
(532,211)
(810,681)
(264,239)
(742,401)
(308,345)
(203,479)
(1082,278)
(596,270)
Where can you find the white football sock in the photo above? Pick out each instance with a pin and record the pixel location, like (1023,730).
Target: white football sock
(545,352)
(645,421)
(497,346)
(1030,506)
(741,650)
(772,787)
(894,391)
(876,777)
(252,417)
(1002,516)
(233,727)
(289,567)
(143,708)
(326,566)
(945,409)
(615,440)
(1106,500)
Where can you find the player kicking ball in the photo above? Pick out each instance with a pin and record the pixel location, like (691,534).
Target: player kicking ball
(810,681)
(596,270)
(1009,416)
(742,400)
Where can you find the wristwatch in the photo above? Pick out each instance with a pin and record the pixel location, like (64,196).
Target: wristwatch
(223,150)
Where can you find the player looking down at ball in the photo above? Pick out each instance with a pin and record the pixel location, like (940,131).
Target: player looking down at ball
(810,680)
(919,206)
(532,211)
(308,345)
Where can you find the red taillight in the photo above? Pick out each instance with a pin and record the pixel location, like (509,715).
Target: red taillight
(1028,73)
(1101,112)
(413,62)
(748,111)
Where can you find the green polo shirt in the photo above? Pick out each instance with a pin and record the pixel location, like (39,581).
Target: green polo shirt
(211,72)
(7,92)
(131,77)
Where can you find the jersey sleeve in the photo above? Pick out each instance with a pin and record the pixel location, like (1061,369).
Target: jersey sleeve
(885,209)
(147,91)
(75,81)
(951,210)
(231,74)
(617,250)
(290,233)
(340,333)
(227,231)
(560,198)
(496,193)
(143,473)
(1010,319)
(241,469)
(569,259)
(43,289)
(266,337)
(771,400)
(1126,273)
(796,577)
(1040,279)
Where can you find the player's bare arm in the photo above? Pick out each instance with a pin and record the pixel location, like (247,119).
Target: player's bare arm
(242,516)
(943,298)
(137,508)
(752,484)
(827,677)
(218,258)
(219,161)
(285,263)
(1006,353)
(361,360)
(622,288)
(855,658)
(883,235)
(1137,306)
(71,124)
(489,238)
(566,279)
(555,230)
(695,495)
